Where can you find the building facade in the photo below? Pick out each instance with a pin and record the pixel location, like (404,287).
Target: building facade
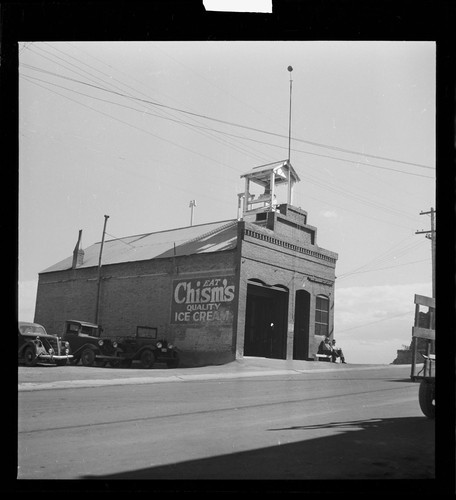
(258,285)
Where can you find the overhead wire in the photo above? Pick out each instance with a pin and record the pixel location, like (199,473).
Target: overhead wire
(138,128)
(384,257)
(356,162)
(166,112)
(174,186)
(374,322)
(321,183)
(161,181)
(110,83)
(381,268)
(365,200)
(325,185)
(158,104)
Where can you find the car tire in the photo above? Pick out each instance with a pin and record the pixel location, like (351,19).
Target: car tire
(88,357)
(426,397)
(29,356)
(146,359)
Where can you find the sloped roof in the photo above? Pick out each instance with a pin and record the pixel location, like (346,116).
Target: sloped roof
(262,173)
(202,238)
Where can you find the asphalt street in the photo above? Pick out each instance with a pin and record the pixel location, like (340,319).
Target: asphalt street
(251,419)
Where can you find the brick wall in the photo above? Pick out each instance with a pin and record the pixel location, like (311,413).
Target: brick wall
(139,294)
(276,265)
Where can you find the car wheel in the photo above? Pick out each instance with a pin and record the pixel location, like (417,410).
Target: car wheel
(88,357)
(426,397)
(147,358)
(29,356)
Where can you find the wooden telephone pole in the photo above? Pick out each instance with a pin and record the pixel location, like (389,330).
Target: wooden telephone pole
(431,235)
(97,305)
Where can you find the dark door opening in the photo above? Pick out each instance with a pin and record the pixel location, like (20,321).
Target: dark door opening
(266,322)
(301,325)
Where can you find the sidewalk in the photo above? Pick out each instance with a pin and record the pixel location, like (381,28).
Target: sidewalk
(55,377)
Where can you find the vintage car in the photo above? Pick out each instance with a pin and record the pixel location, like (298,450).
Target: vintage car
(36,346)
(88,344)
(92,347)
(146,351)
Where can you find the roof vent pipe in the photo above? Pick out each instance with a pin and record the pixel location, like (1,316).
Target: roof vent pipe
(78,253)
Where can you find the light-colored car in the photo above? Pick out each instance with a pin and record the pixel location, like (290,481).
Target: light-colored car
(36,346)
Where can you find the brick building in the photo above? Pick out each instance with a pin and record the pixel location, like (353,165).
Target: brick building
(258,285)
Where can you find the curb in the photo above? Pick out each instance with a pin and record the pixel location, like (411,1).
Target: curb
(81,384)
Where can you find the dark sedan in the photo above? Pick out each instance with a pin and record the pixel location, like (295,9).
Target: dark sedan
(36,346)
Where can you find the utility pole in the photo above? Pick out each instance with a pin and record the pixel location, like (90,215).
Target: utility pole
(106,217)
(431,235)
(192,206)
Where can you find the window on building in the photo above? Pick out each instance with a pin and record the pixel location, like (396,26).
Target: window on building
(322,315)
(146,332)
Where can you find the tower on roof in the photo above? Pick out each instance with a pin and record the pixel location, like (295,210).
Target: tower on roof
(269,176)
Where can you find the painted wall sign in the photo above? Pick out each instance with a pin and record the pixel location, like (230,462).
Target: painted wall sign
(203,300)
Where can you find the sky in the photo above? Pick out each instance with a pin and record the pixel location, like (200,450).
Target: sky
(135,130)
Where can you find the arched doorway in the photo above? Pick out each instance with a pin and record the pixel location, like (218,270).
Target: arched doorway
(266,320)
(301,325)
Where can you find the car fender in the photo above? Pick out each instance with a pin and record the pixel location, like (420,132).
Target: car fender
(29,343)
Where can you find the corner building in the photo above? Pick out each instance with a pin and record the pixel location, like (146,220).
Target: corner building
(258,285)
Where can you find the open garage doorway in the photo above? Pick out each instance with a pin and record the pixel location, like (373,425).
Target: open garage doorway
(266,321)
(301,325)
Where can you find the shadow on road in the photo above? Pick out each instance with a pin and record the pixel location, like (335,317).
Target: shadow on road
(396,448)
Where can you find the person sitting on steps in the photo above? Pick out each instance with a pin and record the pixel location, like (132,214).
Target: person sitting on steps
(329,348)
(338,351)
(325,347)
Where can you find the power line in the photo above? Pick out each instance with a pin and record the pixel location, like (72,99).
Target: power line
(135,127)
(324,185)
(357,162)
(234,146)
(225,133)
(214,130)
(362,214)
(374,322)
(155,103)
(381,268)
(385,256)
(344,192)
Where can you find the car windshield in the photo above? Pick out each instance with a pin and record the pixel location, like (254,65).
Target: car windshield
(89,330)
(84,330)
(32,330)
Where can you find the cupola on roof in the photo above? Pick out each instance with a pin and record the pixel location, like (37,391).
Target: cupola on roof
(268,176)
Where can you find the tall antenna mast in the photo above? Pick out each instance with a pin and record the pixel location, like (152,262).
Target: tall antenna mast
(290,69)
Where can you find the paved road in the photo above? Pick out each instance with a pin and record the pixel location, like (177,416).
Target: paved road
(256,421)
